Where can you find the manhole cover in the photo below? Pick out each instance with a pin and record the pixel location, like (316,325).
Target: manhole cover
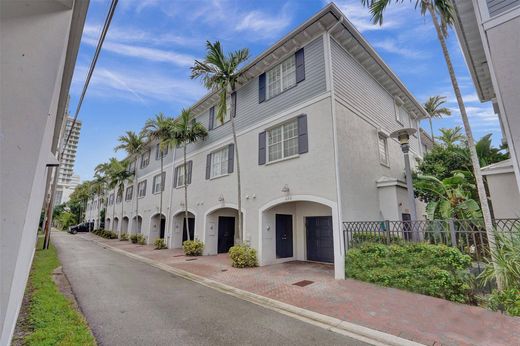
(191,259)
(303,283)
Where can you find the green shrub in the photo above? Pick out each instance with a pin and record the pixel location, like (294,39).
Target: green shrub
(507,301)
(141,240)
(124,236)
(506,261)
(193,247)
(133,238)
(434,270)
(243,256)
(360,238)
(105,234)
(160,244)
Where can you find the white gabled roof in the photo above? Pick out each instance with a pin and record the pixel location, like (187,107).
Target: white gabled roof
(330,17)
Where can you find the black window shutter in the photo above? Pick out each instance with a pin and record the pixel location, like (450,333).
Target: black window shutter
(175,176)
(234,104)
(261,88)
(208,166)
(188,178)
(303,141)
(261,148)
(300,65)
(231,158)
(211,118)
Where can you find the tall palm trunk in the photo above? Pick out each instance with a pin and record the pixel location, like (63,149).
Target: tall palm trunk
(122,210)
(186,195)
(471,142)
(431,129)
(161,195)
(239,186)
(136,199)
(114,210)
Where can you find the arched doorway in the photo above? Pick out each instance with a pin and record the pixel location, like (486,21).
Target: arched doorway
(180,227)
(115,224)
(221,229)
(304,228)
(107,224)
(137,223)
(157,227)
(124,224)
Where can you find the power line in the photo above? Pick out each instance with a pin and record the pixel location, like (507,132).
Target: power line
(104,31)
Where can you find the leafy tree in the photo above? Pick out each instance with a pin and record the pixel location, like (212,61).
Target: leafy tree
(434,107)
(187,130)
(220,73)
(161,128)
(488,154)
(451,197)
(134,144)
(442,14)
(451,137)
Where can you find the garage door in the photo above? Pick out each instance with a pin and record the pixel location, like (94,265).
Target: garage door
(320,245)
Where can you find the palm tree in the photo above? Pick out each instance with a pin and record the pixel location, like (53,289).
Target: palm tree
(444,10)
(161,129)
(120,175)
(134,144)
(434,108)
(449,137)
(220,73)
(187,130)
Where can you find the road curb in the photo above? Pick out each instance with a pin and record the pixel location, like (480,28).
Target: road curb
(346,328)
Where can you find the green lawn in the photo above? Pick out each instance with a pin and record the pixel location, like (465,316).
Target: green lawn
(52,318)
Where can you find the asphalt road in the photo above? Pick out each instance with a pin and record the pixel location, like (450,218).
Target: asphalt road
(127,302)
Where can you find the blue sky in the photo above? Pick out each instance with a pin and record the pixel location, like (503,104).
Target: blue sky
(144,66)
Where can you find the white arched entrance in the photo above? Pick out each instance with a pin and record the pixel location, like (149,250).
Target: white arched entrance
(301,227)
(180,226)
(157,227)
(221,227)
(137,225)
(124,224)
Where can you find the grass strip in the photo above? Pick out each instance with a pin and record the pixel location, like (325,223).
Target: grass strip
(52,317)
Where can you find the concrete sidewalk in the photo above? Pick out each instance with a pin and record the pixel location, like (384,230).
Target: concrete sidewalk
(423,319)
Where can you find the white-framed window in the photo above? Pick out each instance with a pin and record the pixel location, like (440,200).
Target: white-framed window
(110,199)
(119,197)
(129,193)
(219,162)
(141,189)
(281,77)
(145,159)
(382,142)
(131,166)
(160,152)
(282,141)
(397,109)
(158,182)
(180,176)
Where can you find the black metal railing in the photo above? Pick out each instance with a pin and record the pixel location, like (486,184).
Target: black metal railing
(469,236)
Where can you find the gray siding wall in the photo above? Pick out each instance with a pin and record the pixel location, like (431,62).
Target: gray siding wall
(355,86)
(498,6)
(154,164)
(249,111)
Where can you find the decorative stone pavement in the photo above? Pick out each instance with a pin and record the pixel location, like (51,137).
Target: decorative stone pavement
(416,317)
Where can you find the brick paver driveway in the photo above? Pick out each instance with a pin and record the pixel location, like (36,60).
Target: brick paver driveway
(415,317)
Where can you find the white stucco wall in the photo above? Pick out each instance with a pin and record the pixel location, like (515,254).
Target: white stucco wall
(35,46)
(504,196)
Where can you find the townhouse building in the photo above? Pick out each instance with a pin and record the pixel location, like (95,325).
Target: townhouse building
(313,115)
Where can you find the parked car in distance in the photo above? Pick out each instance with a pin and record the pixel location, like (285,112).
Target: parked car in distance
(82,227)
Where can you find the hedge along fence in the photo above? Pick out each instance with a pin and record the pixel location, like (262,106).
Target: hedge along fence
(434,270)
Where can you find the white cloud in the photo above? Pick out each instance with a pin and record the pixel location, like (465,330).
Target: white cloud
(360,16)
(264,24)
(393,46)
(138,85)
(152,54)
